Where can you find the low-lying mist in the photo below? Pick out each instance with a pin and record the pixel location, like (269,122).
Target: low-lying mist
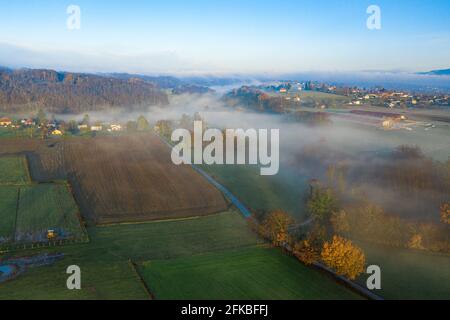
(366,153)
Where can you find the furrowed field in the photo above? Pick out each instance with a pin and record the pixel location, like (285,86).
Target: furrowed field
(129,178)
(132,178)
(250,273)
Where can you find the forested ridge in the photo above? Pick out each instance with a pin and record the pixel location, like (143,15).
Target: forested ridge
(63,92)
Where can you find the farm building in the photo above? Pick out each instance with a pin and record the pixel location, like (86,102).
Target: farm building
(97,128)
(116,127)
(83,127)
(4,122)
(28,122)
(57,132)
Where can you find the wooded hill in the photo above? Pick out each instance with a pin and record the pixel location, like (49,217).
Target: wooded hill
(63,92)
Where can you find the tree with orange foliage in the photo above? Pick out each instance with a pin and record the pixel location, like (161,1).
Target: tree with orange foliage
(275,227)
(305,252)
(445,213)
(416,242)
(344,257)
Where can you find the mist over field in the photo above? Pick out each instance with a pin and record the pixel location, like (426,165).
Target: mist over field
(308,151)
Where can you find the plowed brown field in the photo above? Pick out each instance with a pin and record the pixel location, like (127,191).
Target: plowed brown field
(122,179)
(132,178)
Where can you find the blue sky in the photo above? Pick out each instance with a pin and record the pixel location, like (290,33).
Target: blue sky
(226,36)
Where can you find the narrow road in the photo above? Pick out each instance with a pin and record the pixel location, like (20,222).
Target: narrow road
(242,208)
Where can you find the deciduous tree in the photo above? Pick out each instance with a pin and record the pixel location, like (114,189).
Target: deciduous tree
(322,203)
(142,124)
(445,213)
(275,227)
(416,242)
(305,252)
(344,257)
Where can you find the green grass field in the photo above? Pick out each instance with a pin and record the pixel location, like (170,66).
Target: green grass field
(28,210)
(409,274)
(323,96)
(104,261)
(220,246)
(43,207)
(13,170)
(284,191)
(177,238)
(19,133)
(100,281)
(8,204)
(250,273)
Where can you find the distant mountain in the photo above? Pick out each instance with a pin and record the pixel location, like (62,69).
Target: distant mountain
(443,72)
(64,92)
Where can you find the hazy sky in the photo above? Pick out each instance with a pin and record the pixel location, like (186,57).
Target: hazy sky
(226,36)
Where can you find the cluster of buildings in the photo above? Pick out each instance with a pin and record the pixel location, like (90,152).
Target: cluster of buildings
(58,127)
(115,127)
(52,127)
(378,96)
(399,99)
(5,122)
(8,122)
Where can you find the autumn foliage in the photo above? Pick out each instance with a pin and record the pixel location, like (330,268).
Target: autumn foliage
(416,242)
(445,213)
(344,257)
(275,227)
(305,252)
(371,223)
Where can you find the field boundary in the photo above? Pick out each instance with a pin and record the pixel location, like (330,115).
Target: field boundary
(188,212)
(352,285)
(21,246)
(78,213)
(26,165)
(348,283)
(130,223)
(133,267)
(14,245)
(17,214)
